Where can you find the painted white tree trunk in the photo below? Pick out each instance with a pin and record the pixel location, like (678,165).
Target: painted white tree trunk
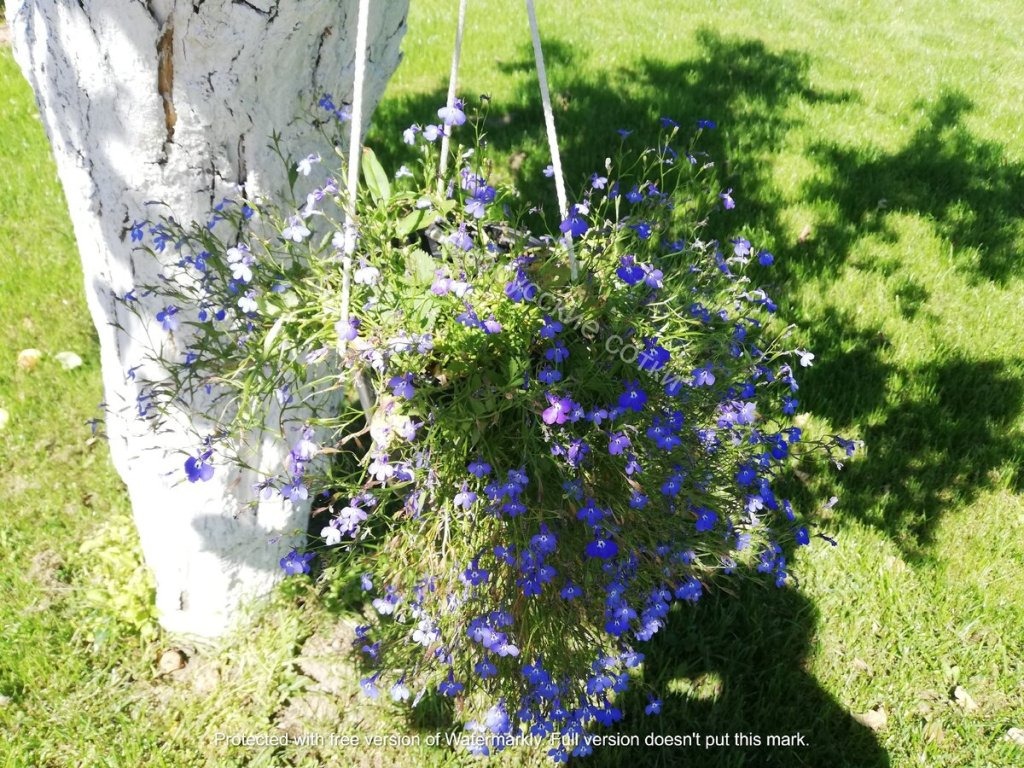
(175,102)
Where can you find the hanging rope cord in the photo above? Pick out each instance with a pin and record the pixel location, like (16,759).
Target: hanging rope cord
(350,231)
(453,80)
(549,116)
(549,123)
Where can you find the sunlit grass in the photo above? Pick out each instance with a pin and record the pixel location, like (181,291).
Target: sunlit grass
(877,150)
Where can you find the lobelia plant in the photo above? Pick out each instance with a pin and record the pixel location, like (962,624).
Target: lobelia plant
(522,464)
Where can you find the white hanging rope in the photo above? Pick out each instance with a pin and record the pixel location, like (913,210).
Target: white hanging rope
(453,80)
(549,122)
(355,149)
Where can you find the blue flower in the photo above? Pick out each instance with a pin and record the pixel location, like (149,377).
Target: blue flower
(479,468)
(633,397)
(485,669)
(574,224)
(198,468)
(726,197)
(765,259)
(551,328)
(630,273)
(653,706)
(369,686)
(603,549)
(571,591)
(642,229)
(654,357)
(295,563)
(709,124)
(557,353)
(706,519)
(475,575)
(545,542)
(167,317)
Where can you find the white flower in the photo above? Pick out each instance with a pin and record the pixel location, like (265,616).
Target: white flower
(305,165)
(402,172)
(240,262)
(331,535)
(405,428)
(296,230)
(248,302)
(806,358)
(366,275)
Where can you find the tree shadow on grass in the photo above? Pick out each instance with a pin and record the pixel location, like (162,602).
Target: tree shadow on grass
(964,186)
(940,433)
(930,438)
(735,663)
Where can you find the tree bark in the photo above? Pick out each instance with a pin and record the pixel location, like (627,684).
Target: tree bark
(175,102)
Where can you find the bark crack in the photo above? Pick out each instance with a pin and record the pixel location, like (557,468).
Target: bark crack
(165,78)
(258,10)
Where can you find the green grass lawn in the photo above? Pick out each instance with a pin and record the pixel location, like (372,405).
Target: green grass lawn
(877,150)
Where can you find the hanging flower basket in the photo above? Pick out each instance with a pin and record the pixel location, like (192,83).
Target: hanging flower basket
(522,463)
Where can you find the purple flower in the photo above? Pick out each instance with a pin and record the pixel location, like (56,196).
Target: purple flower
(558,411)
(482,196)
(349,518)
(654,278)
(465,498)
(294,563)
(401,386)
(347,330)
(727,202)
(453,115)
(198,468)
(703,377)
(617,443)
(295,491)
(460,238)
